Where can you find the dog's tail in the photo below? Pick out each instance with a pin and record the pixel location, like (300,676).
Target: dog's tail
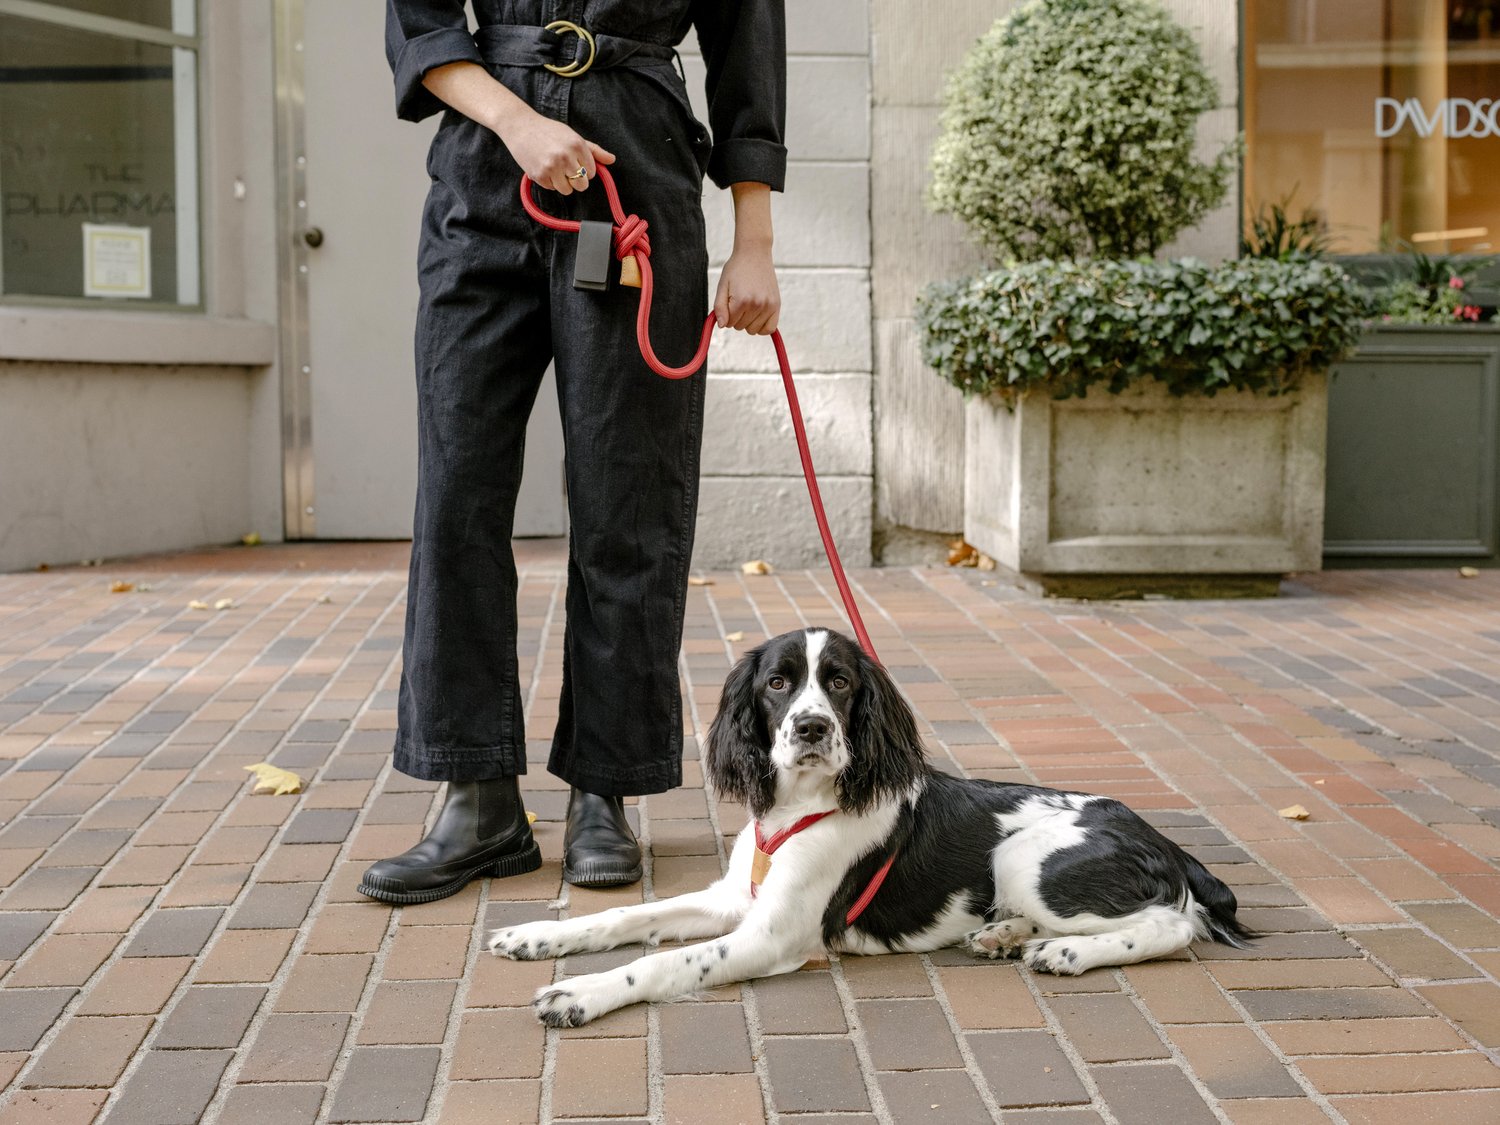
(1218,906)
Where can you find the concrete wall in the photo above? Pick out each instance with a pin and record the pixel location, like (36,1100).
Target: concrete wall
(126,432)
(754,504)
(919,421)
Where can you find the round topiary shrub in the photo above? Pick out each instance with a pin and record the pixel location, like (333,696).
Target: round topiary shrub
(1069,129)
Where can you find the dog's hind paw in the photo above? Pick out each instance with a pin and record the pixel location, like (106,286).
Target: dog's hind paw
(1053,955)
(1000,939)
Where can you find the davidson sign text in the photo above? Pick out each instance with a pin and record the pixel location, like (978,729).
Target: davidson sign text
(1452,117)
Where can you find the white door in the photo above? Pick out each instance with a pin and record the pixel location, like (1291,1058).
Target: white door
(365,177)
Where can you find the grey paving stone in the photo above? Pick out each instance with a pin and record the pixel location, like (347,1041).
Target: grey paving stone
(320,826)
(170,1088)
(354,767)
(704,1039)
(271,1105)
(36,831)
(815,1075)
(18,931)
(799,1004)
(26,1014)
(1329,1003)
(908,1035)
(174,933)
(296,1047)
(1026,1068)
(318,730)
(386,1084)
(210,1017)
(942,1097)
(302,755)
(47,888)
(1150,1095)
(130,745)
(157,722)
(86,849)
(274,906)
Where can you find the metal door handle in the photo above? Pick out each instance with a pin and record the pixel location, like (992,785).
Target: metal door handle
(313,236)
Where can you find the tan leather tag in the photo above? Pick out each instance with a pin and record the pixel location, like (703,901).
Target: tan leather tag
(760,867)
(630,273)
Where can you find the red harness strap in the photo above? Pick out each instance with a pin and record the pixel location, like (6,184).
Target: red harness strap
(766,847)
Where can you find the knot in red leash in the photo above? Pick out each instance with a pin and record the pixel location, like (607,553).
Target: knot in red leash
(630,238)
(631,242)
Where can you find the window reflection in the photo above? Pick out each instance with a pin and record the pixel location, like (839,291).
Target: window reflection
(1383,116)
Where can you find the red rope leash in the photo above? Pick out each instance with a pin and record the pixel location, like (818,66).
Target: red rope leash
(631,241)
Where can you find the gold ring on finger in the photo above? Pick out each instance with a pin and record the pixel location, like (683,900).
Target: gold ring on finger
(581,174)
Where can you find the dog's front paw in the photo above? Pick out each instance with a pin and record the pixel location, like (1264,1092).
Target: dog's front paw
(532,941)
(561,1006)
(1054,955)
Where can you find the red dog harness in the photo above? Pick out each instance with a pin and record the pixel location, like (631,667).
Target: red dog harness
(765,848)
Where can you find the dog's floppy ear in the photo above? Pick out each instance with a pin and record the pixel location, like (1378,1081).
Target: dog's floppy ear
(737,754)
(885,753)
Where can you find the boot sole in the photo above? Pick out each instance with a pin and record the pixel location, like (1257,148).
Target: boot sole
(519,863)
(601,875)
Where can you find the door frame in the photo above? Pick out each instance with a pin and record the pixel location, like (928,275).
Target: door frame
(299,507)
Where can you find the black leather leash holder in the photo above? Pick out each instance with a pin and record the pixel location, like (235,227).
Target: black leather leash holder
(591,263)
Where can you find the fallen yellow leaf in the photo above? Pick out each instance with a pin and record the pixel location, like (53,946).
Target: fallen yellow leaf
(736,636)
(696,581)
(984,562)
(274,780)
(756,566)
(1468,572)
(961,553)
(121,587)
(224,603)
(196,604)
(1294,812)
(251,540)
(530,817)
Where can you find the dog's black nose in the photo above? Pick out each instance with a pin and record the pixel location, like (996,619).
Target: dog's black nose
(812,728)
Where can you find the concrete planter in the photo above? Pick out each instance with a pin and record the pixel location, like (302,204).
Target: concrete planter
(1111,493)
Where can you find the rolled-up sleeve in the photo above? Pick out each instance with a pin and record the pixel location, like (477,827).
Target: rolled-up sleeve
(421,35)
(744,48)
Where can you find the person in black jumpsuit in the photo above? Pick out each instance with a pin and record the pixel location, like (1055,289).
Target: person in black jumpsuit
(497,304)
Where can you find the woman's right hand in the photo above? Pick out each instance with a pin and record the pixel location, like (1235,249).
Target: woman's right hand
(548,151)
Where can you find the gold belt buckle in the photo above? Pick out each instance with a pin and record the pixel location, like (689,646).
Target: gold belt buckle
(574,68)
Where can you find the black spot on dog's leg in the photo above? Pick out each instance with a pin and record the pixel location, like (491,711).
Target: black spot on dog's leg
(630,979)
(723,951)
(1130,945)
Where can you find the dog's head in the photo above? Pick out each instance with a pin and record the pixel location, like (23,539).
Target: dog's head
(812,703)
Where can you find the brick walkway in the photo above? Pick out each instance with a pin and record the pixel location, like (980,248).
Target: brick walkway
(174,949)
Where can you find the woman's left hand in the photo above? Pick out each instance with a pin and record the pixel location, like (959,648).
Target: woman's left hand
(748,298)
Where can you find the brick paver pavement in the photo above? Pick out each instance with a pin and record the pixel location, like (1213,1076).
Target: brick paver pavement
(175,949)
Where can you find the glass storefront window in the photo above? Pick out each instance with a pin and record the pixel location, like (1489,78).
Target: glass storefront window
(1381,116)
(99,153)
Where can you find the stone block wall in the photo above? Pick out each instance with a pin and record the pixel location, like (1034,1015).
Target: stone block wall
(753,502)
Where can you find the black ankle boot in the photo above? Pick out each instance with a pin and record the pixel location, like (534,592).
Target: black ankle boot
(482,830)
(599,850)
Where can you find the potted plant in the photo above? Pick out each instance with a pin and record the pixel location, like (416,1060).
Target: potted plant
(1130,423)
(1414,419)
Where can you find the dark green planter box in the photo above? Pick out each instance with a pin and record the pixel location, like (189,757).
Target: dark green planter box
(1413,422)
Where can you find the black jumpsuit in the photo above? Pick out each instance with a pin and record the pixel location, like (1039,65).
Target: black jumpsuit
(497,303)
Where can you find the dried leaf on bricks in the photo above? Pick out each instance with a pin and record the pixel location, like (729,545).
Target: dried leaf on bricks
(274,780)
(121,587)
(251,540)
(734,636)
(756,566)
(696,581)
(196,604)
(1468,572)
(961,553)
(224,603)
(1294,812)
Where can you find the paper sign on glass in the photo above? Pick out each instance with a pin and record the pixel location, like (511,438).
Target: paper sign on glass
(116,261)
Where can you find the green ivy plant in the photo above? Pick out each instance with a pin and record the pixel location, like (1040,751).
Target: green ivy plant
(1068,132)
(1066,327)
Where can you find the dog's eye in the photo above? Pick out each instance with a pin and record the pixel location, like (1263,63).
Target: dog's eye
(840,683)
(776,683)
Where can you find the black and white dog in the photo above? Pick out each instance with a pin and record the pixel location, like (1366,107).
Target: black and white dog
(859,846)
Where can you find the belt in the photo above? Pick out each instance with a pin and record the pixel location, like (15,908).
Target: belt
(565,48)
